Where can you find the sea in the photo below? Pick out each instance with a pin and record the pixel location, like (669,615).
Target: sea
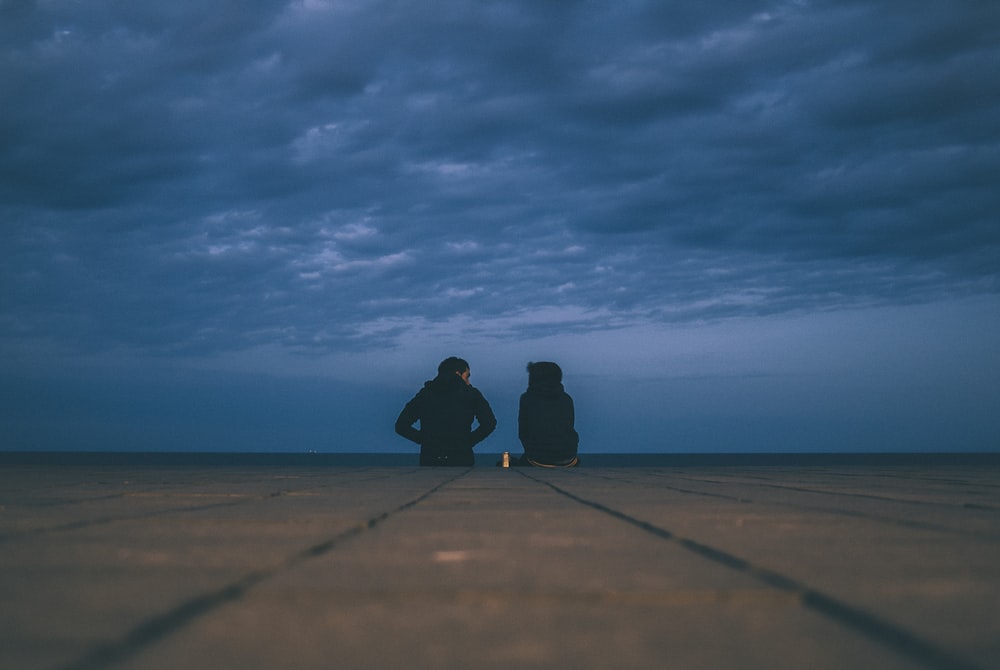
(409,459)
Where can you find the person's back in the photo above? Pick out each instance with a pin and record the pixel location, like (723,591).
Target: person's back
(546,417)
(446,408)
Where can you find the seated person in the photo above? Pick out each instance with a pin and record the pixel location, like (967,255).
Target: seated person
(545,420)
(446,408)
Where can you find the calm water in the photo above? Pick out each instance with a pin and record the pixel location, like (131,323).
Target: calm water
(485,459)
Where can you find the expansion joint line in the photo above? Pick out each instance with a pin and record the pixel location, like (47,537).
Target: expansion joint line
(87,523)
(876,628)
(159,627)
(100,521)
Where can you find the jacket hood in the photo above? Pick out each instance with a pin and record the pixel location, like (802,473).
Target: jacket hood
(449,383)
(546,388)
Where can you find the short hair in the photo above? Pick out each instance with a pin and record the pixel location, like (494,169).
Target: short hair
(544,371)
(453,364)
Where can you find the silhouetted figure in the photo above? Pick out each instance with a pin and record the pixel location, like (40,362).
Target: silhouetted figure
(545,420)
(446,407)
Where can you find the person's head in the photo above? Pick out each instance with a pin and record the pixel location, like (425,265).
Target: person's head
(454,365)
(543,371)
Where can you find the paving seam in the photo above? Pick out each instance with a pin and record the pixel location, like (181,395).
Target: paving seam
(857,619)
(100,521)
(846,494)
(867,516)
(766,482)
(77,501)
(161,626)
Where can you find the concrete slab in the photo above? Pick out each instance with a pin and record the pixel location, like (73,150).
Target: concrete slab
(374,567)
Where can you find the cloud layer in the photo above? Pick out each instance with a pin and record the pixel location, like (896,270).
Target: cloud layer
(327,176)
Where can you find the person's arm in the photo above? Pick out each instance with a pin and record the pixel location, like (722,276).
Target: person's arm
(409,416)
(522,419)
(486,419)
(574,436)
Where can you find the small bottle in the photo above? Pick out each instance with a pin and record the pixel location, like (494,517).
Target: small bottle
(505,461)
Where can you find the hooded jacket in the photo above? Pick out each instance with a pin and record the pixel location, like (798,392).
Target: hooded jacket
(446,407)
(545,423)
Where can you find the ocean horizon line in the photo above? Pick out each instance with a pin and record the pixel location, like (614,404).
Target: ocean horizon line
(483,459)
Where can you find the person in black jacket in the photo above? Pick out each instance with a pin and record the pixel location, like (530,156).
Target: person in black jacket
(545,419)
(446,407)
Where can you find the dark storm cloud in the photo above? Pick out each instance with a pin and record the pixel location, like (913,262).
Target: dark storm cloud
(326,174)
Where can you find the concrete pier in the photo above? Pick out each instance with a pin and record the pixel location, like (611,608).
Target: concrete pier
(387,567)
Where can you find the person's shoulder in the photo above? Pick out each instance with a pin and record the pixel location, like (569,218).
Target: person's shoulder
(476,394)
(423,391)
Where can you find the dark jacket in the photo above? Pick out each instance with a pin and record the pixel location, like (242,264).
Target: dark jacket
(446,407)
(545,423)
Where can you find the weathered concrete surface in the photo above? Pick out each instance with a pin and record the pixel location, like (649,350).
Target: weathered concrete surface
(352,567)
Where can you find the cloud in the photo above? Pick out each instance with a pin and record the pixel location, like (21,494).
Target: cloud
(326,176)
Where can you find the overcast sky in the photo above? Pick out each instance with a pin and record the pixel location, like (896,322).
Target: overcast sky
(738,225)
